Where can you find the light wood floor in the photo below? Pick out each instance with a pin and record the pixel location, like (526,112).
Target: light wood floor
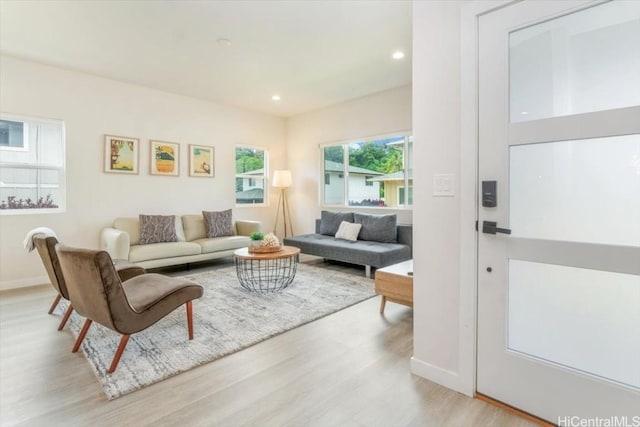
(347,369)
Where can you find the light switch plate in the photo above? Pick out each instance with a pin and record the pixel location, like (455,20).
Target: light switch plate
(444,185)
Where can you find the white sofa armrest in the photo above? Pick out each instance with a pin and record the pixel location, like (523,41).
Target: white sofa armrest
(116,242)
(245,228)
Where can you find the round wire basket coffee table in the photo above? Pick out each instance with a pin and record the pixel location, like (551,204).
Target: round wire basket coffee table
(266,272)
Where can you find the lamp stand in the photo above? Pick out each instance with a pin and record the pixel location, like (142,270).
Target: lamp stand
(286,215)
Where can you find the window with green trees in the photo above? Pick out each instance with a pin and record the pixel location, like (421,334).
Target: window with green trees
(370,172)
(251,175)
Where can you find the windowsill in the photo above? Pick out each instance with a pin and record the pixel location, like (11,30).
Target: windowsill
(12,212)
(377,208)
(252,205)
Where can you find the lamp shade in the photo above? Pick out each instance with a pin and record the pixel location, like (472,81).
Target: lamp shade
(282,179)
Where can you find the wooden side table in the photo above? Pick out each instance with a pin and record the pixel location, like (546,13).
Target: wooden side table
(393,283)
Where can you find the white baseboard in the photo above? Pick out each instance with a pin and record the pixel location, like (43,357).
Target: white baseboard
(23,283)
(438,375)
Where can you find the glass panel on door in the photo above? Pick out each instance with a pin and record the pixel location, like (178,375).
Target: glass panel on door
(579,318)
(578,63)
(577,191)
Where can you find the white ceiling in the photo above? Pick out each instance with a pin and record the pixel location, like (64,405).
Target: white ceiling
(312,53)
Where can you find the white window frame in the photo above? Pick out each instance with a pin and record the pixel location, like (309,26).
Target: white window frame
(62,199)
(408,137)
(264,177)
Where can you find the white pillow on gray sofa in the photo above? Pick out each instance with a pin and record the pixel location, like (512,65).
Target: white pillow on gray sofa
(348,231)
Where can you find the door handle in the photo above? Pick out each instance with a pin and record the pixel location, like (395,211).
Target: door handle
(489,227)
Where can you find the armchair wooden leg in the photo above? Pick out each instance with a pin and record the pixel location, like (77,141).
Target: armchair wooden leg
(55,303)
(83,333)
(123,343)
(190,319)
(66,316)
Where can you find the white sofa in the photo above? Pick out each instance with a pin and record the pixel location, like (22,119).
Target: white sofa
(122,241)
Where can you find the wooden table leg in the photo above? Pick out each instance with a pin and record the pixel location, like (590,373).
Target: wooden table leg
(383,301)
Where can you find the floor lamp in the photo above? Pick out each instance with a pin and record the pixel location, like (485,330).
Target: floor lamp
(282,180)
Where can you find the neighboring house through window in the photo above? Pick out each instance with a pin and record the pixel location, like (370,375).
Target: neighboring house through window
(251,175)
(32,159)
(375,170)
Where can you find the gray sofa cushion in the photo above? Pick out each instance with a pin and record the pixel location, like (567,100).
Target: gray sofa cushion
(377,228)
(330,221)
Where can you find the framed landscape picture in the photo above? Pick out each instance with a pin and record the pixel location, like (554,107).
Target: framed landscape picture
(201,160)
(121,154)
(165,158)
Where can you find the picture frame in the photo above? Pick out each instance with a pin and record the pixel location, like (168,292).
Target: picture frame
(164,158)
(201,160)
(121,154)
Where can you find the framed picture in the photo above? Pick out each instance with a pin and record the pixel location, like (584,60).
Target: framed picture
(165,158)
(121,154)
(201,160)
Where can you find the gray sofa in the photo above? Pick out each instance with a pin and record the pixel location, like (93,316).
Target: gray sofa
(370,253)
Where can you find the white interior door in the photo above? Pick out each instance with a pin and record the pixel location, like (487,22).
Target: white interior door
(559,133)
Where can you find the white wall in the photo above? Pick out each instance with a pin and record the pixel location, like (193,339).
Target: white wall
(92,107)
(437,250)
(378,114)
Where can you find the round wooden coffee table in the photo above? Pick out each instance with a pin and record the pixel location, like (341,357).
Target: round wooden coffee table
(266,272)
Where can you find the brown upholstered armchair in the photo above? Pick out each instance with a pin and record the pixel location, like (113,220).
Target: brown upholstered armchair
(46,249)
(97,293)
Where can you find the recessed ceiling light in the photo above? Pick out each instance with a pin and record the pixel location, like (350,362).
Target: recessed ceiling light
(276,97)
(524,113)
(223,41)
(397,55)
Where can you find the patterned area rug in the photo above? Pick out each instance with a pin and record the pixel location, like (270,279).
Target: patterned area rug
(226,319)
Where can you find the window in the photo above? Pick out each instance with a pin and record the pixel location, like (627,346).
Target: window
(371,172)
(32,174)
(251,175)
(401,195)
(13,135)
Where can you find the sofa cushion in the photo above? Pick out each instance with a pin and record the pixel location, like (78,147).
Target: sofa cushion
(193,227)
(218,224)
(222,243)
(330,221)
(157,229)
(131,226)
(179,229)
(245,228)
(348,231)
(377,228)
(140,253)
